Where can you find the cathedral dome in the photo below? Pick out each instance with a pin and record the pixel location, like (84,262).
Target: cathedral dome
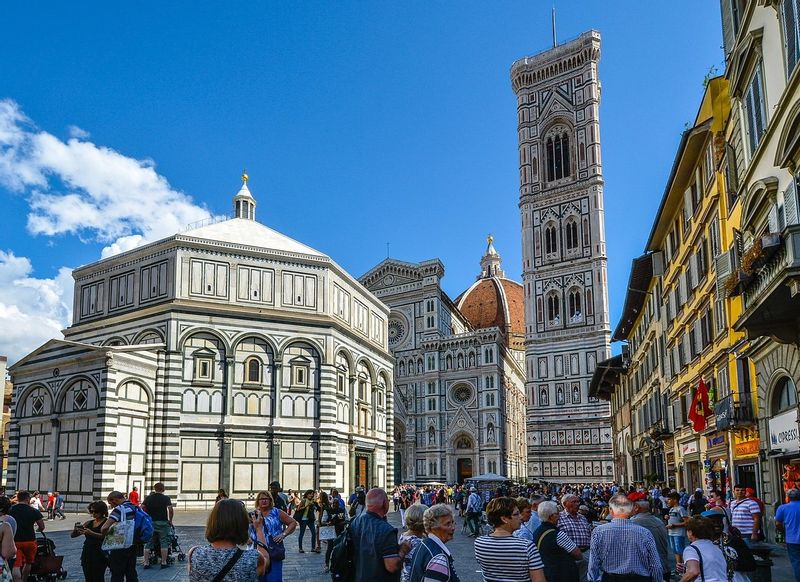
(494,301)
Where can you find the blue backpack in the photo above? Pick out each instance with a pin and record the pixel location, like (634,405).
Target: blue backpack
(143,528)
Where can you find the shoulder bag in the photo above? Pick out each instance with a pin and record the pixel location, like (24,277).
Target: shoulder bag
(277,551)
(230,564)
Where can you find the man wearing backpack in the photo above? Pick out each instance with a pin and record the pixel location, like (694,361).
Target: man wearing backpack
(159,507)
(122,561)
(474,506)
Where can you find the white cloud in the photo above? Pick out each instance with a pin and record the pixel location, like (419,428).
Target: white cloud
(73,187)
(80,188)
(32,310)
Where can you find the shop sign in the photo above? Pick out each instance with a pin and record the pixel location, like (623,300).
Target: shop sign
(689,448)
(715,440)
(745,448)
(723,413)
(783,434)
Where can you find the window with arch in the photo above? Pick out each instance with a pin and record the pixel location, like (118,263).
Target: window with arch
(557,153)
(253,368)
(575,304)
(589,304)
(431,436)
(550,239)
(544,396)
(464,442)
(553,308)
(785,395)
(571,234)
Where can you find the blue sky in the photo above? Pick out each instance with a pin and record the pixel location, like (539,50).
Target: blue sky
(360,123)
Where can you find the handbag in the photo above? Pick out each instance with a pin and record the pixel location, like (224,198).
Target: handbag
(5,572)
(276,550)
(230,564)
(120,535)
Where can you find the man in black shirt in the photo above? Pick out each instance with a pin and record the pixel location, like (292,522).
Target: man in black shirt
(278,499)
(159,507)
(25,540)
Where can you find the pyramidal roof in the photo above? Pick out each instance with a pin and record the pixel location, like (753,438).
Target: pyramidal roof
(250,233)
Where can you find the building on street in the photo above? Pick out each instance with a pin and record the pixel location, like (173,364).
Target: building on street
(567,328)
(226,356)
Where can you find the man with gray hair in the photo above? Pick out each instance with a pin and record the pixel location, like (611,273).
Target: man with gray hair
(432,558)
(623,551)
(577,527)
(559,553)
(643,516)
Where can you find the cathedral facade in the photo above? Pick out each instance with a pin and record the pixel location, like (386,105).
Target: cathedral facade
(227,356)
(567,329)
(459,398)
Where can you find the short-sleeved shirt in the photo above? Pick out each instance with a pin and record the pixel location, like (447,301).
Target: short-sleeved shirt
(742,512)
(676,516)
(374,540)
(507,558)
(156,505)
(26,516)
(789,515)
(116,513)
(576,527)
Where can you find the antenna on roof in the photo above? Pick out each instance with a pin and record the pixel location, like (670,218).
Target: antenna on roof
(387,250)
(554,25)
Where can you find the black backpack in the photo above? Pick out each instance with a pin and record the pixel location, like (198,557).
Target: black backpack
(343,568)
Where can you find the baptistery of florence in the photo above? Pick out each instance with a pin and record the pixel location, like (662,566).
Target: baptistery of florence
(226,356)
(459,381)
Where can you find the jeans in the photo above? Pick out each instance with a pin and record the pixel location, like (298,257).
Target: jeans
(474,522)
(122,564)
(307,523)
(794,557)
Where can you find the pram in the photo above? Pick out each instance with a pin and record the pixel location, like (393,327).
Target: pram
(174,551)
(47,567)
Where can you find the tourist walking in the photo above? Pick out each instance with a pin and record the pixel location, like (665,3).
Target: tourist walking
(227,528)
(500,555)
(378,556)
(305,514)
(643,516)
(745,515)
(432,561)
(677,516)
(621,550)
(704,560)
(414,535)
(133,496)
(159,507)
(787,520)
(7,547)
(25,539)
(122,561)
(559,553)
(93,558)
(276,525)
(473,511)
(577,527)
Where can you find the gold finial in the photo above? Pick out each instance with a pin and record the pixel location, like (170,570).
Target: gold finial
(245,177)
(490,239)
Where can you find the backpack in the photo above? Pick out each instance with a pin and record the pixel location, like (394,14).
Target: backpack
(143,531)
(343,566)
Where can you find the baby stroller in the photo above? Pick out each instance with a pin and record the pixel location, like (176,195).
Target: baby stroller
(47,565)
(173,551)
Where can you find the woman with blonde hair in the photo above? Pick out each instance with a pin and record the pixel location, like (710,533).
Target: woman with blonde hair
(414,535)
(224,559)
(275,526)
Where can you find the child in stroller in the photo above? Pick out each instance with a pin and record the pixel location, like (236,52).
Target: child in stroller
(152,555)
(47,567)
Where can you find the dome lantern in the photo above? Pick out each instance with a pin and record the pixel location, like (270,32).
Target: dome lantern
(244,205)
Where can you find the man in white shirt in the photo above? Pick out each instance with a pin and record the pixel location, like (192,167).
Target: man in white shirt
(474,507)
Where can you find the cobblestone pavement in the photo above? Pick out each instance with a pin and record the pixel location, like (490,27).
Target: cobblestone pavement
(190,527)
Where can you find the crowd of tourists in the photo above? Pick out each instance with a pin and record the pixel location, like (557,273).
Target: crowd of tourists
(552,533)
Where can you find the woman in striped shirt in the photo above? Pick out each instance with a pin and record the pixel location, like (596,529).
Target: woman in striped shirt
(501,556)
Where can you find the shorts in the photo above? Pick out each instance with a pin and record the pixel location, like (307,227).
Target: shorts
(163,530)
(26,553)
(677,544)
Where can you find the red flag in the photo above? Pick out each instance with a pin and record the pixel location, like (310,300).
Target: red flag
(700,408)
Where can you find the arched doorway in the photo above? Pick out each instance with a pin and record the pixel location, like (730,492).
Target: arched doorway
(463,469)
(464,463)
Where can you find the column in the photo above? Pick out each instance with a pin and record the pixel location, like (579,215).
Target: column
(278,382)
(275,465)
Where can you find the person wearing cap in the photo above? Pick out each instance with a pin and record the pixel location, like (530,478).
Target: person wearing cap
(787,520)
(676,524)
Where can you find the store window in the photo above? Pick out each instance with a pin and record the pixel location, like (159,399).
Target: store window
(785,395)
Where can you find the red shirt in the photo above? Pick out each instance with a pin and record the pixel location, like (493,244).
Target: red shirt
(133,497)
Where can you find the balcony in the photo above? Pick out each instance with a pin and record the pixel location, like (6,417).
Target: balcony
(769,283)
(658,431)
(730,414)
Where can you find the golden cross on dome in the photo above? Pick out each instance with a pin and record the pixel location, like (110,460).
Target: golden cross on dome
(245,177)
(490,239)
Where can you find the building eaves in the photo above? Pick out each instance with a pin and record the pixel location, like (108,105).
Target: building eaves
(606,376)
(638,286)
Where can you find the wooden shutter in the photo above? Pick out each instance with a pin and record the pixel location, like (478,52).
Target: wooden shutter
(723,265)
(728,37)
(693,271)
(790,204)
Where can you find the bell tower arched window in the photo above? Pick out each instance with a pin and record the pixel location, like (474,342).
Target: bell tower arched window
(571,234)
(575,304)
(553,308)
(557,152)
(550,240)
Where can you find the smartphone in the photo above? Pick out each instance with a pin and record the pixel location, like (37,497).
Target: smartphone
(253,515)
(78,525)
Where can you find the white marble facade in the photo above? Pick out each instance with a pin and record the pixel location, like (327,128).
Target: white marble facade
(567,328)
(226,356)
(458,387)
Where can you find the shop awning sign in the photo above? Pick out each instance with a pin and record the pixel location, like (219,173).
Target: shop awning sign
(689,448)
(783,433)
